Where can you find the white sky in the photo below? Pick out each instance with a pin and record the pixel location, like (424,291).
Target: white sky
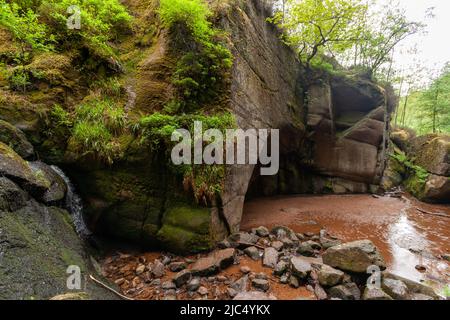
(434,46)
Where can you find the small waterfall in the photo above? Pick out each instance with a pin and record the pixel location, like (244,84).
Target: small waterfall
(74,205)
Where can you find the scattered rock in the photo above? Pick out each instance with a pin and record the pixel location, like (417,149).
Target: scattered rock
(284,279)
(262,232)
(182,277)
(373,293)
(240,285)
(395,288)
(253,295)
(231,292)
(221,278)
(245,270)
(166,260)
(293,282)
(308,248)
(281,268)
(277,245)
(177,266)
(330,277)
(168,285)
(270,258)
(329,243)
(287,243)
(354,257)
(261,284)
(243,238)
(213,263)
(320,292)
(202,291)
(158,269)
(253,253)
(120,281)
(300,267)
(348,291)
(140,269)
(193,284)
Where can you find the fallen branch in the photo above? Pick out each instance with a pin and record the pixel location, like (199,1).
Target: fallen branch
(443,215)
(109,288)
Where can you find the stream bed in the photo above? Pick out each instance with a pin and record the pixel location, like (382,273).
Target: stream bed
(408,233)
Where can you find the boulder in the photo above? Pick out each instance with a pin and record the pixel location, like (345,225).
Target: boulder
(261,284)
(437,189)
(262,232)
(253,253)
(18,170)
(213,263)
(270,258)
(432,152)
(300,267)
(395,288)
(330,277)
(181,278)
(12,198)
(354,257)
(413,287)
(58,188)
(372,293)
(347,291)
(16,140)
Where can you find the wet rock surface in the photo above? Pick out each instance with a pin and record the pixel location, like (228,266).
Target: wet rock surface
(232,273)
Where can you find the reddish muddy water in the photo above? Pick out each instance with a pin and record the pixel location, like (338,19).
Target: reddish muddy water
(407,237)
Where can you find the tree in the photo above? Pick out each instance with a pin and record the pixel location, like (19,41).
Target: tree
(383,31)
(317,28)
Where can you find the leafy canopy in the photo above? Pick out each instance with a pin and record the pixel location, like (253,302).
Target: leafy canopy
(319,27)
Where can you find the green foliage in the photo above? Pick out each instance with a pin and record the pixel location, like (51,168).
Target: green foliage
(25,28)
(203,64)
(97,128)
(316,28)
(428,110)
(101,21)
(193,13)
(19,79)
(412,170)
(205,181)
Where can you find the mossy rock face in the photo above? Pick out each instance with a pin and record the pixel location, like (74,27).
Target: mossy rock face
(185,227)
(16,139)
(37,245)
(15,168)
(416,186)
(432,152)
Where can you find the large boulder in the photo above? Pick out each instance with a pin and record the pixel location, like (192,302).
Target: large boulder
(16,139)
(432,152)
(356,256)
(18,170)
(37,246)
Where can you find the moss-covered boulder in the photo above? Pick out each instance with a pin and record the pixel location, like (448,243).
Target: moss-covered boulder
(432,152)
(37,245)
(16,139)
(15,168)
(186,226)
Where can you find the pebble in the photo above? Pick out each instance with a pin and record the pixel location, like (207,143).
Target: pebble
(202,291)
(245,270)
(261,284)
(193,285)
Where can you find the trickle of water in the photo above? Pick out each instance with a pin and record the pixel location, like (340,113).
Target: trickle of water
(74,205)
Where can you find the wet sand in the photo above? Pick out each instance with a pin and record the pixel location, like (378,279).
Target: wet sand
(405,236)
